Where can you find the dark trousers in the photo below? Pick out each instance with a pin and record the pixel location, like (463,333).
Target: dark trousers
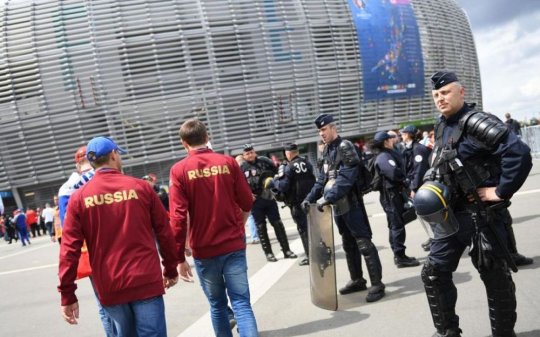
(392,203)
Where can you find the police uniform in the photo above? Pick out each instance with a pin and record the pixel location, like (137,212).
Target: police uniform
(474,148)
(294,181)
(337,184)
(265,205)
(390,167)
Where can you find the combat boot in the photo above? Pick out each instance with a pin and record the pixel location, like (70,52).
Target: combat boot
(265,242)
(521,260)
(404,261)
(281,236)
(374,267)
(353,286)
(354,264)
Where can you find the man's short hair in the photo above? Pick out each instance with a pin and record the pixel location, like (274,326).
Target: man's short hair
(193,132)
(507,115)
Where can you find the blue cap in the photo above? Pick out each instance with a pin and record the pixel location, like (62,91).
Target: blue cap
(442,78)
(323,120)
(409,129)
(381,136)
(100,146)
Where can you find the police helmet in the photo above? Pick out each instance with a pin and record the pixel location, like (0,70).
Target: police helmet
(432,203)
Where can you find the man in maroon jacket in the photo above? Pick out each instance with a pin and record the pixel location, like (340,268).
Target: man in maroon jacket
(126,272)
(211,190)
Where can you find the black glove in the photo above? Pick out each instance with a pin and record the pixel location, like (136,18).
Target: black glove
(305,206)
(321,203)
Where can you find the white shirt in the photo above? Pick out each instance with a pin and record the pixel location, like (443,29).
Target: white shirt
(48,214)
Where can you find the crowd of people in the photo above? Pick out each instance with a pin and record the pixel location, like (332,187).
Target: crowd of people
(446,174)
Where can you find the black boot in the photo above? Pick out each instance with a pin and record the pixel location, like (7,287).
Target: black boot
(354,264)
(501,293)
(374,267)
(404,261)
(305,244)
(265,242)
(353,286)
(521,260)
(441,295)
(281,236)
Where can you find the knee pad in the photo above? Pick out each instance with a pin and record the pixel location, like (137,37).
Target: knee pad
(365,246)
(431,275)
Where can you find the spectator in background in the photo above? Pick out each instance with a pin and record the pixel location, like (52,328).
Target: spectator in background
(19,219)
(151,178)
(32,222)
(512,124)
(48,218)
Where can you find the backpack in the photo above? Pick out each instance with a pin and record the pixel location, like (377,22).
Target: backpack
(376,182)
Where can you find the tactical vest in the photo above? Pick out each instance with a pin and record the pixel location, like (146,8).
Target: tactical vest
(256,173)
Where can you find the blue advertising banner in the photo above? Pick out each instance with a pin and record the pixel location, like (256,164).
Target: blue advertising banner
(390,48)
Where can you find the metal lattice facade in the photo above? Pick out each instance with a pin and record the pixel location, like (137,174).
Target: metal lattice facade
(255,71)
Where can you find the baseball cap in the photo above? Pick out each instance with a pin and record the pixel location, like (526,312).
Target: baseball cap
(381,136)
(100,146)
(409,129)
(291,147)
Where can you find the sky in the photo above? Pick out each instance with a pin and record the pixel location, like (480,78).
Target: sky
(507,38)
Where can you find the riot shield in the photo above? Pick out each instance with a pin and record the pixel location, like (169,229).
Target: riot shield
(322,263)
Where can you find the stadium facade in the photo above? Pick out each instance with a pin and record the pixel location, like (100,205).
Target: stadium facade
(256,71)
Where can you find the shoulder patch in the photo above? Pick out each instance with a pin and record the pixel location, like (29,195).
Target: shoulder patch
(418,158)
(392,162)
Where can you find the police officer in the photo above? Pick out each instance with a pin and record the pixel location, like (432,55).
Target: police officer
(257,169)
(415,158)
(294,181)
(390,168)
(479,165)
(337,185)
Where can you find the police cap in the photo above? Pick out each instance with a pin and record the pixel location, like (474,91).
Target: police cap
(291,147)
(442,78)
(247,147)
(381,136)
(323,120)
(409,129)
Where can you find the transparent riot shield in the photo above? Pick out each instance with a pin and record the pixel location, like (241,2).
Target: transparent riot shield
(322,263)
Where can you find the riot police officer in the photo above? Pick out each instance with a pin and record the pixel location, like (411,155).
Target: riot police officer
(294,181)
(257,169)
(476,167)
(415,158)
(390,169)
(337,185)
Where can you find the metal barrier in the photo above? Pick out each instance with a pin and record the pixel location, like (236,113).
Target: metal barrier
(531,136)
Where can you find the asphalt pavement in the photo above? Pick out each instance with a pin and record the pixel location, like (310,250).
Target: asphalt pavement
(30,304)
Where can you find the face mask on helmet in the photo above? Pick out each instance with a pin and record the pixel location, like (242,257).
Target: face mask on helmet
(432,203)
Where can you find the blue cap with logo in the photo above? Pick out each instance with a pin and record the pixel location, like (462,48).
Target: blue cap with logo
(100,146)
(409,129)
(323,120)
(442,78)
(381,136)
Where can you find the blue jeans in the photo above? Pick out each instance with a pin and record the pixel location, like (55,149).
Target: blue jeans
(144,318)
(252,228)
(227,275)
(107,322)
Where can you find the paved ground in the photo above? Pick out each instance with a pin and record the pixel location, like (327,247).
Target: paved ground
(29,305)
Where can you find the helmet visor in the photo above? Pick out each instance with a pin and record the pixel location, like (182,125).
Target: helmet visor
(440,224)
